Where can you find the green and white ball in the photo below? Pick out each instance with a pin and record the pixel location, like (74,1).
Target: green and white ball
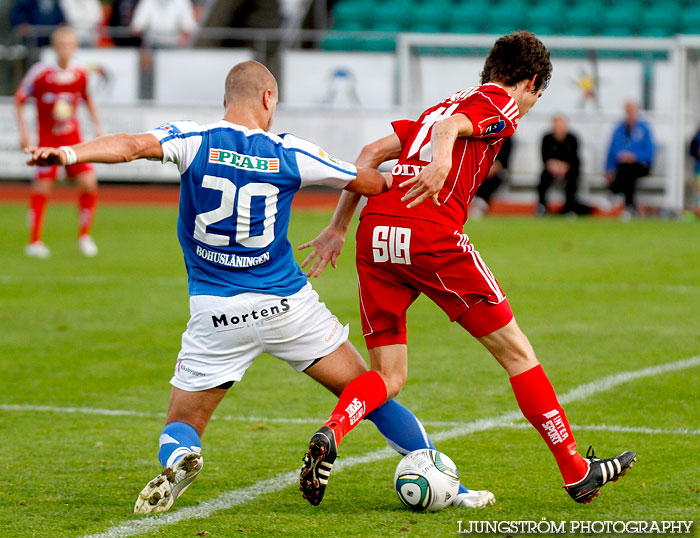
(426,480)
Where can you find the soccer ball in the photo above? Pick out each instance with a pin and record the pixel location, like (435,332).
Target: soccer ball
(426,480)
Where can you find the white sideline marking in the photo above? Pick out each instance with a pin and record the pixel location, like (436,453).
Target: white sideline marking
(89,280)
(128,413)
(612,428)
(281,420)
(92,280)
(233,498)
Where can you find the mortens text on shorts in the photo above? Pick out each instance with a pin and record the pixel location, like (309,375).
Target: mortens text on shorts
(253,315)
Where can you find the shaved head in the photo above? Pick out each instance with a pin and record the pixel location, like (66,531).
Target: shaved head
(247,81)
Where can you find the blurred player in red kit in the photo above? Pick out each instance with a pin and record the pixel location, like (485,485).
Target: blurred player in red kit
(57,89)
(406,247)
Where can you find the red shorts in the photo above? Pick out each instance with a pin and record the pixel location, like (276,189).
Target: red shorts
(50,173)
(400,258)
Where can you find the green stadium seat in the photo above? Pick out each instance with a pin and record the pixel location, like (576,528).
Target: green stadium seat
(660,21)
(594,8)
(620,20)
(505,18)
(339,42)
(467,18)
(389,17)
(690,23)
(428,18)
(582,20)
(545,18)
(379,44)
(350,16)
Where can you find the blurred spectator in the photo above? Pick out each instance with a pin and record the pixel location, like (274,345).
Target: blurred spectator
(84,17)
(498,174)
(122,14)
(561,164)
(695,154)
(164,23)
(27,13)
(630,156)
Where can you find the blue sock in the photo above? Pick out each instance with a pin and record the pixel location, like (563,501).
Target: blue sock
(402,429)
(176,440)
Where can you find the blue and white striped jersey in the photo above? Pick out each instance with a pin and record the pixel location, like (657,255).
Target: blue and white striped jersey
(235,202)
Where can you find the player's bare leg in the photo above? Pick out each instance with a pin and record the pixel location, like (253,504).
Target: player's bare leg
(188,415)
(87,202)
(335,372)
(38,199)
(583,477)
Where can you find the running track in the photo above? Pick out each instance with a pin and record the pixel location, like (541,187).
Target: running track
(167,194)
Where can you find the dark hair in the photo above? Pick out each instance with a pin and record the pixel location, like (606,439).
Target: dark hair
(515,57)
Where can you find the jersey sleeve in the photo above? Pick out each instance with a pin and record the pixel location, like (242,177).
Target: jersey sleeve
(491,115)
(403,129)
(180,141)
(316,167)
(26,87)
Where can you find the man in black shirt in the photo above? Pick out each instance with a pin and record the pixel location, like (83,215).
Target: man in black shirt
(561,163)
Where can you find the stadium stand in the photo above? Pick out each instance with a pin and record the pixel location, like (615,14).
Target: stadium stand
(619,18)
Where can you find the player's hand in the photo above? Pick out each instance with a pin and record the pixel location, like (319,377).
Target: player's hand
(427,184)
(326,248)
(45,156)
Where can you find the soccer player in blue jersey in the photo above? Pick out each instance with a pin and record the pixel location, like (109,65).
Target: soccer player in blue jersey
(248,295)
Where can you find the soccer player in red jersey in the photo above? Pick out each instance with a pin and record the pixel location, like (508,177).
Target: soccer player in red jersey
(406,247)
(58,89)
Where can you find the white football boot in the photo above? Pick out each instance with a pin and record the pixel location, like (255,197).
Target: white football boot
(161,492)
(474,499)
(87,246)
(37,249)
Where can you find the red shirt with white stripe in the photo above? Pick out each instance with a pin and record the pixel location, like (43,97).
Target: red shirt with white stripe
(57,92)
(494,115)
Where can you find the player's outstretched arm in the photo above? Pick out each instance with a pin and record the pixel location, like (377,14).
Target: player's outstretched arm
(328,245)
(117,148)
(429,181)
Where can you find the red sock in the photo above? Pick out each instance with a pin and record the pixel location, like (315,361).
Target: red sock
(87,202)
(35,217)
(539,404)
(361,396)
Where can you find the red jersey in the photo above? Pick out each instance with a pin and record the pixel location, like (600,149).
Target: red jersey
(494,115)
(57,93)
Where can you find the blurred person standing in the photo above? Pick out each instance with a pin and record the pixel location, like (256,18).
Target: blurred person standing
(120,17)
(57,89)
(561,164)
(28,13)
(630,156)
(84,17)
(695,154)
(164,23)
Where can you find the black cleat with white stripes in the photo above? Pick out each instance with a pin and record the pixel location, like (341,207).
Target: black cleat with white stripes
(318,463)
(600,472)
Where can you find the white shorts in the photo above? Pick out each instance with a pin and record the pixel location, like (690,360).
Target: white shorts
(226,334)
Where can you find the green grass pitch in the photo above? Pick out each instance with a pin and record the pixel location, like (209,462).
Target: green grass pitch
(81,336)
